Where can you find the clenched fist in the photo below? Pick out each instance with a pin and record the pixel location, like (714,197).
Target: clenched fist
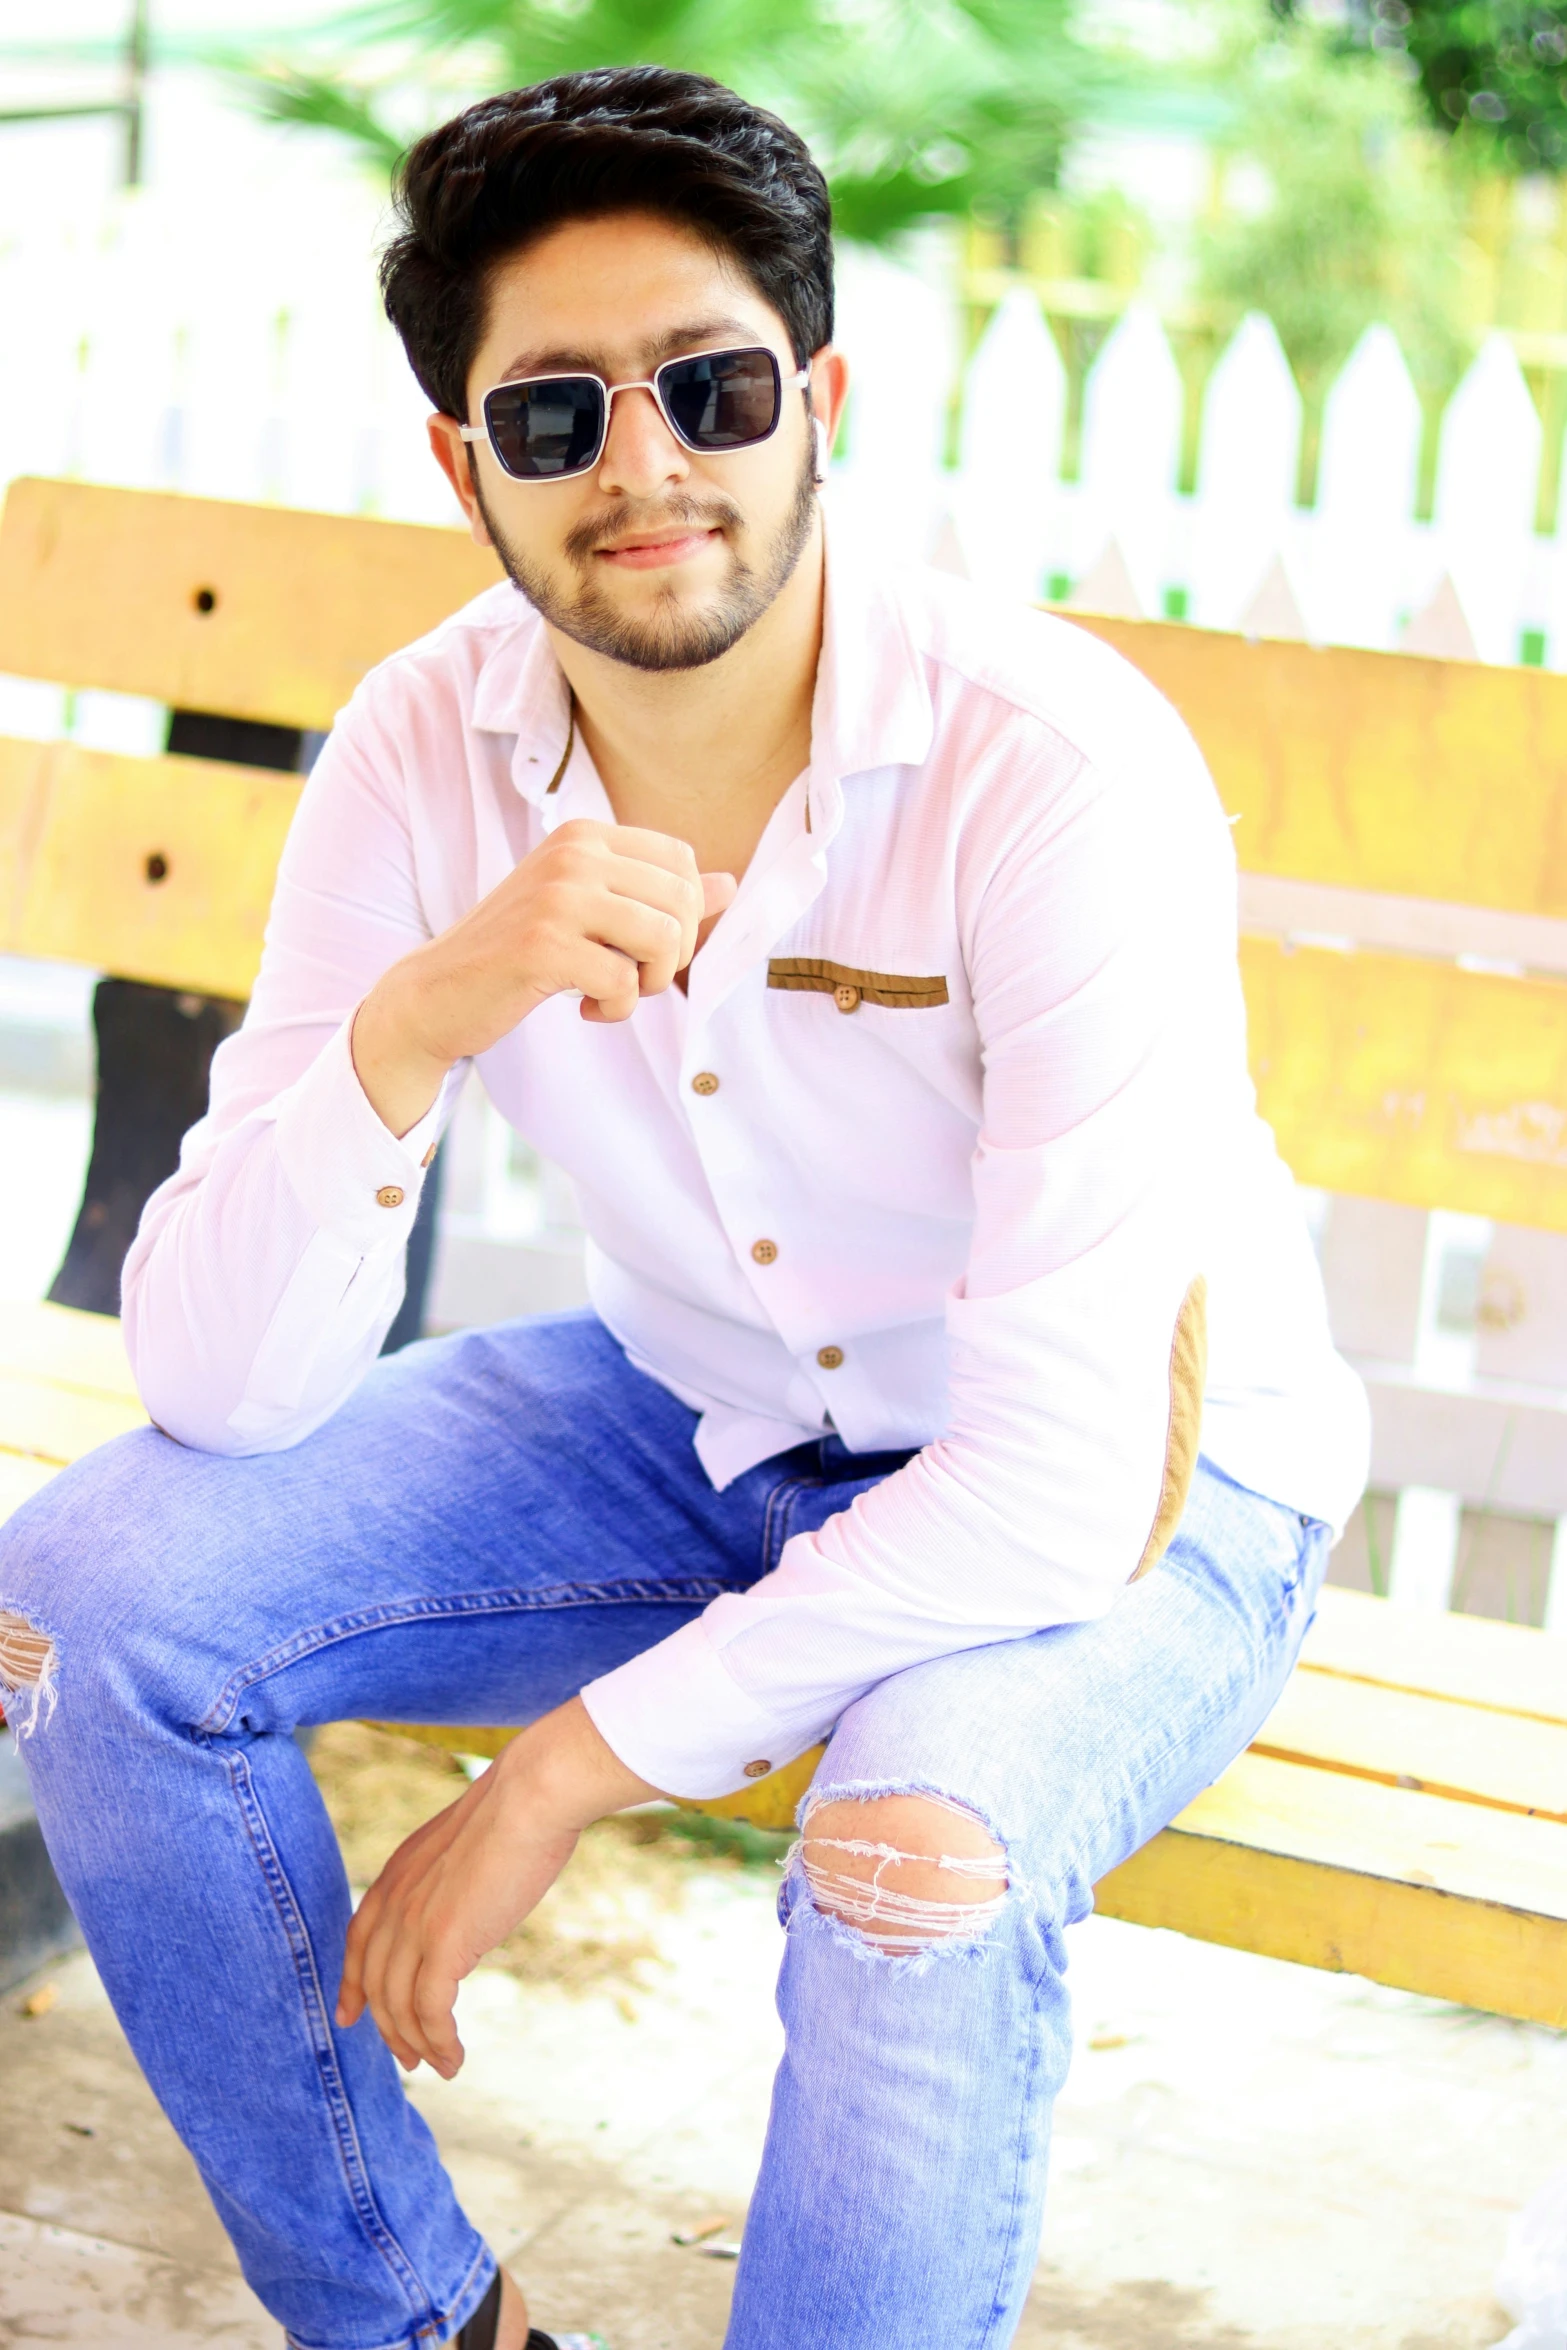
(606,910)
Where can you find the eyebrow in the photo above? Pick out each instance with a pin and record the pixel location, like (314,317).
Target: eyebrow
(694,336)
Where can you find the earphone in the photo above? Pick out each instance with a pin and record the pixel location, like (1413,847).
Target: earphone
(820,430)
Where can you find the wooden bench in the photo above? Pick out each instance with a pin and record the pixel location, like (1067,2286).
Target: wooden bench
(1403,1814)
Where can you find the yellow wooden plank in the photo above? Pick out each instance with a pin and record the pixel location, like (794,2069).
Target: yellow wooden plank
(1375,771)
(1411,1080)
(1336,1872)
(155,869)
(66,1347)
(1508,1961)
(1510,1668)
(1430,1744)
(21,1476)
(59,1424)
(24,780)
(255,611)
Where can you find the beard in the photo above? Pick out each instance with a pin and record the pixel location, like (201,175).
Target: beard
(670,637)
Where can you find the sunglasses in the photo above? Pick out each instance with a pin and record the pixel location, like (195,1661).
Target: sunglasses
(549,427)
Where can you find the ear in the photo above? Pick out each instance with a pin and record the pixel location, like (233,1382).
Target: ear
(451,453)
(828,394)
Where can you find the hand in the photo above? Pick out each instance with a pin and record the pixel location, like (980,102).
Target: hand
(467,1878)
(608,910)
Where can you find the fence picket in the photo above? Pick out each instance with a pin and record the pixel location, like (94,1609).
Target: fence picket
(1248,460)
(1360,546)
(1008,496)
(1487,477)
(1132,408)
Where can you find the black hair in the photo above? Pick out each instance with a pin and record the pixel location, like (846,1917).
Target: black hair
(626,138)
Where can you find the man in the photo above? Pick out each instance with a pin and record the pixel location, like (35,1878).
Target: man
(866,952)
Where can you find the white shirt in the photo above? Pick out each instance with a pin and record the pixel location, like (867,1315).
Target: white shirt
(985,1202)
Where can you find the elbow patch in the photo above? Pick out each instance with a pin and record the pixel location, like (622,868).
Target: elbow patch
(1183,1437)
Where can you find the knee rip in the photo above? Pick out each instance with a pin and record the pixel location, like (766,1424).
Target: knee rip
(27,1670)
(906,1871)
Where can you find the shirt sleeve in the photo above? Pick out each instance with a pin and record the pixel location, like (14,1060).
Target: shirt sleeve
(1099,940)
(269,1267)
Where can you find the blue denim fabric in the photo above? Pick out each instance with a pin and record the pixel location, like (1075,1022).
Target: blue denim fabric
(490,1522)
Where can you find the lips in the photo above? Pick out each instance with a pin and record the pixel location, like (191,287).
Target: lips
(647,552)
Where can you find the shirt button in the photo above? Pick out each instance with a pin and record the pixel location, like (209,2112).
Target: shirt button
(765,1251)
(704,1082)
(757,1770)
(846,998)
(390,1195)
(829,1357)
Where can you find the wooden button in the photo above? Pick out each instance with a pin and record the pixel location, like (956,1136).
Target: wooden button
(846,998)
(765,1251)
(757,1770)
(390,1195)
(829,1357)
(704,1082)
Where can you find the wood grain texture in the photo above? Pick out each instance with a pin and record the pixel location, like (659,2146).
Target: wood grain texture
(67,1348)
(154,869)
(1375,771)
(1410,1080)
(1505,1668)
(56,1424)
(1468,1753)
(251,611)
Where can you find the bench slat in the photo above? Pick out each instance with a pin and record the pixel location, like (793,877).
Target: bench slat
(59,1424)
(155,869)
(1441,1898)
(63,1345)
(1413,1081)
(1466,1752)
(1374,771)
(1508,1668)
(104,587)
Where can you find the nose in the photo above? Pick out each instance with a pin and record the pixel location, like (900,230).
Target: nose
(641,454)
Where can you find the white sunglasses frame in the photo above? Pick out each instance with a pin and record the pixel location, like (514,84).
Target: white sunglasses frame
(481,432)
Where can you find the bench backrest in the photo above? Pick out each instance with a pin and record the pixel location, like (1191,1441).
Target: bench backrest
(1401,823)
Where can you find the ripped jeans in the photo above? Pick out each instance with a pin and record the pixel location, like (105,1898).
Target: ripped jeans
(488,1523)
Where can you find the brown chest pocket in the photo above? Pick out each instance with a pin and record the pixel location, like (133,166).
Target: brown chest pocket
(1188,1378)
(850,987)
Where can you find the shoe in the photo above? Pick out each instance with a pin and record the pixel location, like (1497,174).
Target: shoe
(479,2332)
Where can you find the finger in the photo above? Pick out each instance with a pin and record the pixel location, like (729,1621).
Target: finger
(652,848)
(434,2006)
(647,934)
(678,895)
(718,892)
(609,982)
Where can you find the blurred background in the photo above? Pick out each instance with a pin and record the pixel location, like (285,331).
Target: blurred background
(1237,312)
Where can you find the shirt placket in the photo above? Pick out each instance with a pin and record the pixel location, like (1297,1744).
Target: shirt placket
(723,1074)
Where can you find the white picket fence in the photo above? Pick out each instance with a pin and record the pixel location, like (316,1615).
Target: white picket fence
(150,353)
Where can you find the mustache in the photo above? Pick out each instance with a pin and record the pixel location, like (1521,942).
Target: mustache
(609,529)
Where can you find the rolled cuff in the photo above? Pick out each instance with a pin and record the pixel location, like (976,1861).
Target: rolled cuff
(354,1178)
(677,1717)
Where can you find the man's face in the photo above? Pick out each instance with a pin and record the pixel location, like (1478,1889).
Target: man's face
(657,557)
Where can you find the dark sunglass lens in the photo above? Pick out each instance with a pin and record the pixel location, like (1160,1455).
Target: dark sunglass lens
(724,400)
(547,428)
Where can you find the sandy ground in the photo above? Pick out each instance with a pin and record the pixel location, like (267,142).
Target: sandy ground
(1248,2156)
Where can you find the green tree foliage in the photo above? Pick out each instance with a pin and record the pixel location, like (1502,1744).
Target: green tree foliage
(913,106)
(1341,211)
(1495,69)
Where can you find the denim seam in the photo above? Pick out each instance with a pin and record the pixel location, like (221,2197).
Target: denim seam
(780,1503)
(313,2004)
(1026,2106)
(458,1605)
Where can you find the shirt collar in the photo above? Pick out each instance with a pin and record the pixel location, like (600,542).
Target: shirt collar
(871,708)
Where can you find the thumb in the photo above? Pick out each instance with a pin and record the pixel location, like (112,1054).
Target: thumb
(718,891)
